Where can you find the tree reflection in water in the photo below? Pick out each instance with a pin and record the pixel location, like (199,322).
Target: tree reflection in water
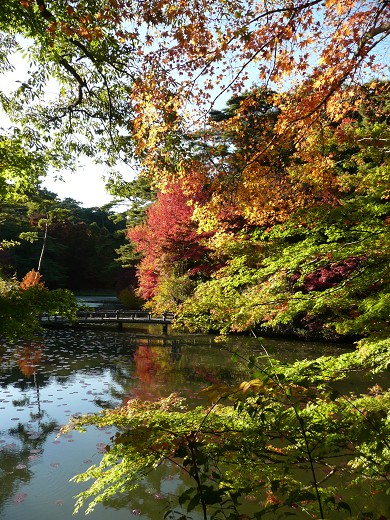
(29,359)
(72,371)
(16,457)
(155,369)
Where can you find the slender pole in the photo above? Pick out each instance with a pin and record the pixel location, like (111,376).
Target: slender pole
(43,245)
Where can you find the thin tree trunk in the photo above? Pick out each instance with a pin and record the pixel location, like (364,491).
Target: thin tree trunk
(43,245)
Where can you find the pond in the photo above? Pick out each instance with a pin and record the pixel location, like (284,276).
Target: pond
(67,372)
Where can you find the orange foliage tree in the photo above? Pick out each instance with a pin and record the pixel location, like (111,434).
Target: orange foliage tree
(31,279)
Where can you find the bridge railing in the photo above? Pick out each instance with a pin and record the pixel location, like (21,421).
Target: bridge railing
(124,315)
(113,315)
(48,318)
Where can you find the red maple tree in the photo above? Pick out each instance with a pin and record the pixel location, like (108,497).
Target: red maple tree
(169,235)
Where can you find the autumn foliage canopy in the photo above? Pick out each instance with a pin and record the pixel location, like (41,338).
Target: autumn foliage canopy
(259,131)
(257,201)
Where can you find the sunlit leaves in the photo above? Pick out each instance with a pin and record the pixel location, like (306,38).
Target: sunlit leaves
(311,256)
(20,167)
(286,421)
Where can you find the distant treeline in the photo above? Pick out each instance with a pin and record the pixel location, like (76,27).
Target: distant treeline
(79,249)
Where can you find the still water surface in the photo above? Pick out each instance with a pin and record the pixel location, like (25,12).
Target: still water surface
(69,372)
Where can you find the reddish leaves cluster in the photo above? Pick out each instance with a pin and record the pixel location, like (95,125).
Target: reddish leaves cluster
(169,237)
(329,275)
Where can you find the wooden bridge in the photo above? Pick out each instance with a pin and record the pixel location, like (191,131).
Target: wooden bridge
(111,316)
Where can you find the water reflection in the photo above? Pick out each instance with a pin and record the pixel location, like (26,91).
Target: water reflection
(70,372)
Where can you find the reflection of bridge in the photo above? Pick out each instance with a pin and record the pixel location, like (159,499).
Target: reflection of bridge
(111,316)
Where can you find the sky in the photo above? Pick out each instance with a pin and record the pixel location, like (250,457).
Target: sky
(85,185)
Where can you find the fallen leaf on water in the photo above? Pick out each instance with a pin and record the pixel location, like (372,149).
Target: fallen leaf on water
(19,498)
